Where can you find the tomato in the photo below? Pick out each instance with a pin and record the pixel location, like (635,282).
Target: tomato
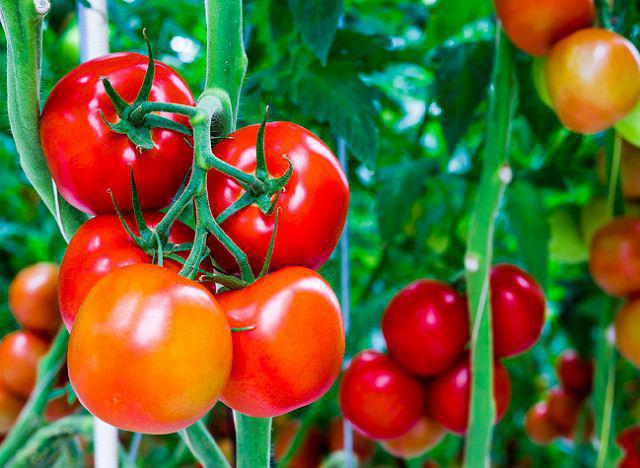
(294,353)
(33,298)
(575,374)
(100,246)
(10,407)
(629,442)
(614,259)
(422,437)
(538,425)
(379,397)
(448,395)
(309,452)
(363,447)
(536,25)
(20,352)
(150,351)
(86,158)
(518,309)
(564,410)
(313,206)
(627,326)
(594,79)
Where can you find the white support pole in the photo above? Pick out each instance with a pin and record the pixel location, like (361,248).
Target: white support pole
(94,41)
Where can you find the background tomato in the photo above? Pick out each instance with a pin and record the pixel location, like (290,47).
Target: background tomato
(313,205)
(538,425)
(20,352)
(535,25)
(10,407)
(627,326)
(447,395)
(33,298)
(518,310)
(87,159)
(564,410)
(594,79)
(145,339)
(294,353)
(575,373)
(380,398)
(426,326)
(100,246)
(363,447)
(422,437)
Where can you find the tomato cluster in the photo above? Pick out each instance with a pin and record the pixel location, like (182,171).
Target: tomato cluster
(560,414)
(589,76)
(410,397)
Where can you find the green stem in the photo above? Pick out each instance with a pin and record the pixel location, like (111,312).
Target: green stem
(203,447)
(254,441)
(493,180)
(22,23)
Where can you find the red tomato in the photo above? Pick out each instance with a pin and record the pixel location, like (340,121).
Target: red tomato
(448,395)
(518,308)
(594,79)
(564,410)
(535,25)
(309,452)
(422,437)
(614,259)
(294,353)
(10,407)
(627,326)
(629,441)
(33,298)
(426,326)
(87,159)
(363,447)
(538,425)
(150,351)
(100,246)
(313,205)
(379,397)
(575,374)
(20,352)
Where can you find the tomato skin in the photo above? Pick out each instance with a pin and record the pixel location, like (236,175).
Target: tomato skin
(536,25)
(538,425)
(10,407)
(426,326)
(33,298)
(20,352)
(135,344)
(614,258)
(629,441)
(379,397)
(518,310)
(100,246)
(363,447)
(594,79)
(564,410)
(294,353)
(86,158)
(627,327)
(448,395)
(575,374)
(313,205)
(421,438)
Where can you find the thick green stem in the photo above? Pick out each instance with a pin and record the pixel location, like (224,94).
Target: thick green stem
(203,447)
(22,23)
(254,441)
(493,180)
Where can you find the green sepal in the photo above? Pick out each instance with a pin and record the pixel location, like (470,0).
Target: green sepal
(147,83)
(262,173)
(272,244)
(139,241)
(243,329)
(143,229)
(139,136)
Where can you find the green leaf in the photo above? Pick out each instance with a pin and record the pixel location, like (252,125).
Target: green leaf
(317,21)
(448,17)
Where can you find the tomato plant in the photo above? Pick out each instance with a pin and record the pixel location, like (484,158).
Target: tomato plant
(422,437)
(627,327)
(575,373)
(310,451)
(20,352)
(539,426)
(564,410)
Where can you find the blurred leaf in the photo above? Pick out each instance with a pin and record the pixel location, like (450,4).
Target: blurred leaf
(317,21)
(448,17)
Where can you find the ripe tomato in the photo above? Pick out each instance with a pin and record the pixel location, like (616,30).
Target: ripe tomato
(100,246)
(294,353)
(575,374)
(426,326)
(422,437)
(313,205)
(629,442)
(10,407)
(448,395)
(538,425)
(627,326)
(20,352)
(564,410)
(33,298)
(614,259)
(150,351)
(309,452)
(86,158)
(379,397)
(536,25)
(363,447)
(594,79)
(518,308)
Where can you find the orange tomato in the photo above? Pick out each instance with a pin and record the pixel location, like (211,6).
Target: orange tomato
(20,353)
(538,425)
(422,437)
(627,326)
